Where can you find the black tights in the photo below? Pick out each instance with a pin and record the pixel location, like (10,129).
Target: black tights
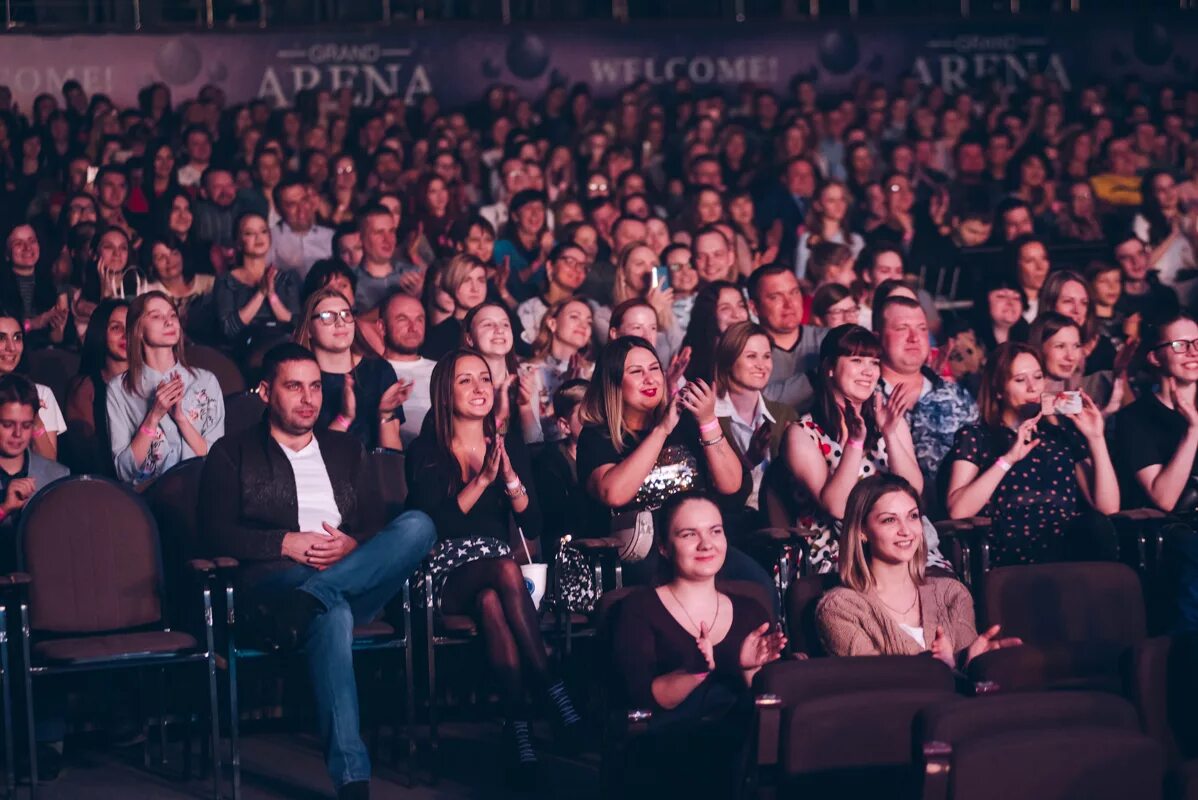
(492,591)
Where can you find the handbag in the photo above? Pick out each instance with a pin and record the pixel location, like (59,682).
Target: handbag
(575,580)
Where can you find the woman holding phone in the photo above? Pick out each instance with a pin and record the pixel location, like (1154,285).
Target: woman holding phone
(1031,501)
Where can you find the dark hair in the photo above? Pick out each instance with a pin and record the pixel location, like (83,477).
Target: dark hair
(441,394)
(703,331)
(322,272)
(825,255)
(1158,226)
(842,342)
(280,354)
(288,181)
(867,259)
(1048,325)
(93,354)
(767,271)
(569,396)
(669,511)
(827,296)
(994,379)
(18,389)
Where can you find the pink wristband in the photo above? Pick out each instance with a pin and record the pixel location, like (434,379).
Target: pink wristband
(709,426)
(1003,464)
(856,444)
(341,420)
(39,433)
(148,431)
(3,514)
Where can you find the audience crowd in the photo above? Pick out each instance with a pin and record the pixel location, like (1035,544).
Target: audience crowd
(672,316)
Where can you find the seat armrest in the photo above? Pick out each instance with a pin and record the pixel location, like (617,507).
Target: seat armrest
(599,545)
(202,566)
(937,758)
(769,728)
(17,579)
(958,527)
(638,721)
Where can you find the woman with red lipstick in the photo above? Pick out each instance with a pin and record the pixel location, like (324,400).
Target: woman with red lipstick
(851,433)
(886,604)
(689,652)
(472,480)
(640,447)
(360,391)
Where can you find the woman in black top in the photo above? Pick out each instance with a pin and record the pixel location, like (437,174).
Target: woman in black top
(361,393)
(1032,474)
(639,449)
(470,480)
(689,652)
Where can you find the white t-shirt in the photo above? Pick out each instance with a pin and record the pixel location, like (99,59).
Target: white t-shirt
(418,403)
(50,413)
(313,489)
(914,633)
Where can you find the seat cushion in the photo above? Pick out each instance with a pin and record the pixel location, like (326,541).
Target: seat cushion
(113,646)
(459,625)
(1079,665)
(374,630)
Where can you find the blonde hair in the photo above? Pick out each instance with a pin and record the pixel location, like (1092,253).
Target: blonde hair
(853,558)
(542,345)
(623,290)
(136,338)
(455,272)
(604,403)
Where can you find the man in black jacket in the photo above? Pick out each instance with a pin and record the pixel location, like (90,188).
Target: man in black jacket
(284,500)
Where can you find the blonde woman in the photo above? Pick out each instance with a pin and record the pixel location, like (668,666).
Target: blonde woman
(361,394)
(561,351)
(635,281)
(161,411)
(885,604)
(464,281)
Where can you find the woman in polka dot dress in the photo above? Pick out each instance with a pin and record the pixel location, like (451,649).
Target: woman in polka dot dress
(1031,474)
(850,434)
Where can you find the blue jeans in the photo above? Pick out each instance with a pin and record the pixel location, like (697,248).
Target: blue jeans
(354,590)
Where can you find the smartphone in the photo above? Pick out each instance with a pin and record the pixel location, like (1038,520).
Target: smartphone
(1068,403)
(92,172)
(660,277)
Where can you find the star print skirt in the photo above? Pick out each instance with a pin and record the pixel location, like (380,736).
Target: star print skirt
(453,553)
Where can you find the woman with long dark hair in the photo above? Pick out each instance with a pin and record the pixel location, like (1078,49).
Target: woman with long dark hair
(472,480)
(849,434)
(718,306)
(26,280)
(102,359)
(1169,232)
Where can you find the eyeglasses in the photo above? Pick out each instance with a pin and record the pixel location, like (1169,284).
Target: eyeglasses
(597,187)
(1180,346)
(680,265)
(329,318)
(348,169)
(571,261)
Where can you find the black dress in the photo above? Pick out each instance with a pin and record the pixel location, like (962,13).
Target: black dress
(484,531)
(372,377)
(1035,501)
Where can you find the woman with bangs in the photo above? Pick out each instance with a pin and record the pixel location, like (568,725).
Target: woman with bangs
(887,604)
(464,280)
(1034,502)
(1058,339)
(361,394)
(850,434)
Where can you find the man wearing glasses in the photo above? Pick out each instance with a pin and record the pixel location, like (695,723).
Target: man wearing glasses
(1155,444)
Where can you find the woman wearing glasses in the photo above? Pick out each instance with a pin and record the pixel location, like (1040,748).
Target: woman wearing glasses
(361,393)
(1157,436)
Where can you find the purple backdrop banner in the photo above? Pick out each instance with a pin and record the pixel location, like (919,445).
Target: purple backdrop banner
(455,62)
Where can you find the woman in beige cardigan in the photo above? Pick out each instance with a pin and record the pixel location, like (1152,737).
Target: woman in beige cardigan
(885,604)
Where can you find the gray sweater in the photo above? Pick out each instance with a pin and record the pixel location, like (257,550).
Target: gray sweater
(202,402)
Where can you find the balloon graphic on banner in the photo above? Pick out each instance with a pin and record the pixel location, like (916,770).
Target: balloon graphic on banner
(527,56)
(838,51)
(218,73)
(1152,43)
(178,62)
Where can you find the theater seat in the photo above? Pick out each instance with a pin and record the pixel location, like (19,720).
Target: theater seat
(1044,745)
(843,726)
(122,645)
(1077,621)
